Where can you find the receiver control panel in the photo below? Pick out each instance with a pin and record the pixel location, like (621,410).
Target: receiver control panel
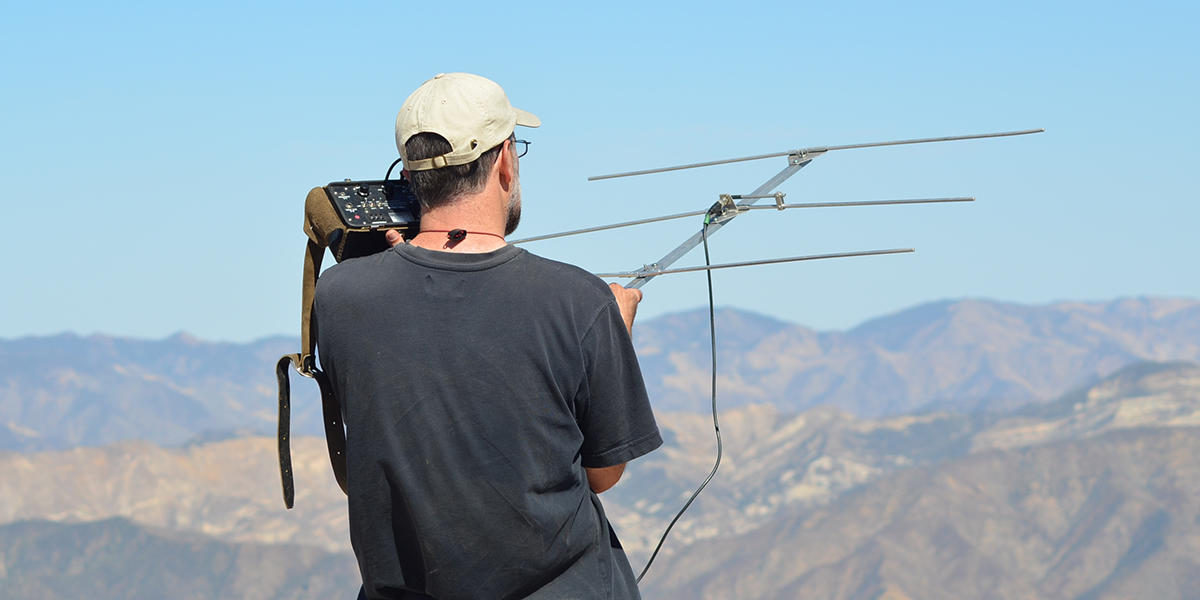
(368,209)
(375,204)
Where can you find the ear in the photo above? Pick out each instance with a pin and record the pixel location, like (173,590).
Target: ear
(506,167)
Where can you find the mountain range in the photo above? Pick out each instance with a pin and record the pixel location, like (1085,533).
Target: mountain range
(956,449)
(1089,496)
(1113,516)
(958,356)
(961,356)
(66,390)
(1095,495)
(115,558)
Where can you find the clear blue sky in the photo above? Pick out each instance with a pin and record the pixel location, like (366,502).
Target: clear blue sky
(156,156)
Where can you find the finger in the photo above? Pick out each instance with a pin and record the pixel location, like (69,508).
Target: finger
(393,237)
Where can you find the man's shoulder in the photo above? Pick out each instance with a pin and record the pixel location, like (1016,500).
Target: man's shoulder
(566,277)
(351,276)
(363,275)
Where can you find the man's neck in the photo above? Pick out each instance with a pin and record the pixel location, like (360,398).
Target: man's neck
(468,214)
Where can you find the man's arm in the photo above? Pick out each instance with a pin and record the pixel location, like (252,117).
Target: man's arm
(627,301)
(603,478)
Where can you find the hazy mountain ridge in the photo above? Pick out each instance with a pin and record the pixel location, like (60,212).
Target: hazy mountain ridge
(117,559)
(817,502)
(66,390)
(1140,395)
(775,462)
(958,356)
(229,489)
(952,355)
(1112,516)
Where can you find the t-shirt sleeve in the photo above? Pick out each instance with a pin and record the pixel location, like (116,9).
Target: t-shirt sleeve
(612,407)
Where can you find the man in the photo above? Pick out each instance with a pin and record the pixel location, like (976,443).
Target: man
(489,394)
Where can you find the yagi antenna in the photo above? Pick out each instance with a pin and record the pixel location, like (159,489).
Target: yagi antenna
(732,205)
(729,206)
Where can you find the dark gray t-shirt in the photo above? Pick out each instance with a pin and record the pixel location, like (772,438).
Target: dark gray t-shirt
(476,388)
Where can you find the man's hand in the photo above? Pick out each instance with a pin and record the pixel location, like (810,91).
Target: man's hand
(393,237)
(627,301)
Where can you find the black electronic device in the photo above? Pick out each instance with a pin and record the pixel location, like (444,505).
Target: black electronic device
(367,209)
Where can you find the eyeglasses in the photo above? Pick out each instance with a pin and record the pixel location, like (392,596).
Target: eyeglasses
(522,148)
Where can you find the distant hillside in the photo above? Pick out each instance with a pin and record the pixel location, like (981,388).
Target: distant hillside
(1093,496)
(775,462)
(115,559)
(66,390)
(958,356)
(1109,517)
(229,489)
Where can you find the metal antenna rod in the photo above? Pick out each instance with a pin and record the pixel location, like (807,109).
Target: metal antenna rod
(775,207)
(548,236)
(795,163)
(751,263)
(816,150)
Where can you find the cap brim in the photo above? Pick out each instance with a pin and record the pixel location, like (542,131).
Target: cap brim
(527,119)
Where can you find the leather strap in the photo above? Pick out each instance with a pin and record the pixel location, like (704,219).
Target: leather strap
(313,254)
(335,433)
(305,363)
(285,423)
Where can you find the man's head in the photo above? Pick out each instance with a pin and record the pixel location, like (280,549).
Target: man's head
(450,132)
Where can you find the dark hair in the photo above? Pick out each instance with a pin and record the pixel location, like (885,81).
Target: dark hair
(437,187)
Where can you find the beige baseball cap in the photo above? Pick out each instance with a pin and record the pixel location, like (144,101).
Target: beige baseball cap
(470,111)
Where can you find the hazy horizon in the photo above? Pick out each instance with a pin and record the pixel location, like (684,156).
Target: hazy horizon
(644,318)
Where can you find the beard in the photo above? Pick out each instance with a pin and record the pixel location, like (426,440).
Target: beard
(513,218)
